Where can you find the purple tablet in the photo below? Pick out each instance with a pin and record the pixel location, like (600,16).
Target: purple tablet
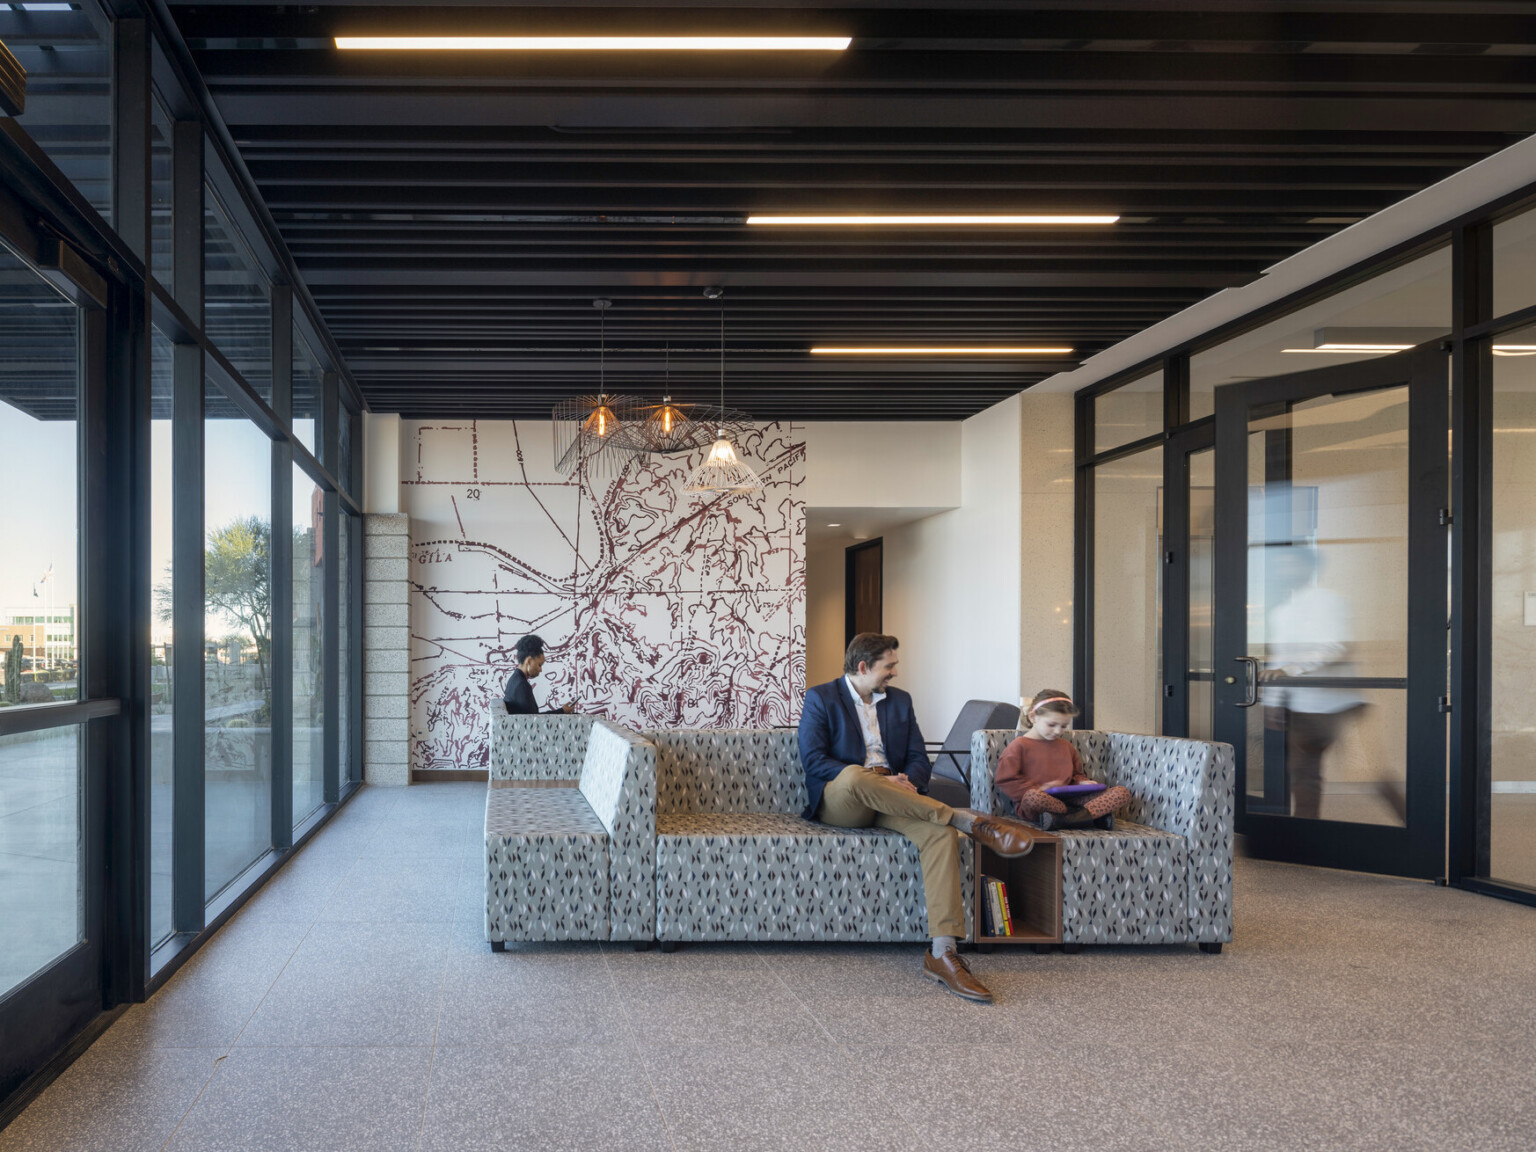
(1075,789)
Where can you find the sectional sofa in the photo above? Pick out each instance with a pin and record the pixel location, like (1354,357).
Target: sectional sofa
(595,832)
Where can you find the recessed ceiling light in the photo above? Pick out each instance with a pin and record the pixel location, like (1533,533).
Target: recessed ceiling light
(950,351)
(1514,349)
(834,525)
(936,220)
(594,43)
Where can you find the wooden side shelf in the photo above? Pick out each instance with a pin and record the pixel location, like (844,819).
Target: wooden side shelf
(1034,893)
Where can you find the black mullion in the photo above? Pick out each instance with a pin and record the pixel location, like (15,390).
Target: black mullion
(354,703)
(282,571)
(331,638)
(1471,502)
(1120,451)
(188,830)
(329,438)
(1175,392)
(1521,318)
(1426,630)
(1082,563)
(1175,563)
(118,478)
(187,218)
(187,704)
(131,134)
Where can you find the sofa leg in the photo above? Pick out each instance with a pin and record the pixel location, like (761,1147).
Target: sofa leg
(1211,947)
(669,945)
(498,945)
(1071,949)
(643,945)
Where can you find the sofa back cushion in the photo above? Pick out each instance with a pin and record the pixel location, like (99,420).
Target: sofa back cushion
(618,778)
(1170,779)
(728,770)
(542,747)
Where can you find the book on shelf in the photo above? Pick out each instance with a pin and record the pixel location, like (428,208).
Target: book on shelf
(992,912)
(1002,899)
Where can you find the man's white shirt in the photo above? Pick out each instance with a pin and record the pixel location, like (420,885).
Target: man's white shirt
(874,745)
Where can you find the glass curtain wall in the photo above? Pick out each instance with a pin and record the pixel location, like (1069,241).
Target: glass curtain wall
(67,52)
(162,720)
(41,785)
(1512,836)
(237,641)
(309,565)
(202,419)
(1127,593)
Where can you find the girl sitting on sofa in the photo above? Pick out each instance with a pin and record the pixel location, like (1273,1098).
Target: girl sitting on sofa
(1038,763)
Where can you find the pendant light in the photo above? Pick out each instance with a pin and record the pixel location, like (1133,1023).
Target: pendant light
(722,470)
(588,429)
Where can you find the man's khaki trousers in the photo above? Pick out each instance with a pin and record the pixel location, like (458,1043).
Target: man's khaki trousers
(859,798)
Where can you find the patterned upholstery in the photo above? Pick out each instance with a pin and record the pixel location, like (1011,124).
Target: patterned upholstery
(542,747)
(735,860)
(573,863)
(1183,791)
(546,858)
(1128,886)
(728,771)
(618,779)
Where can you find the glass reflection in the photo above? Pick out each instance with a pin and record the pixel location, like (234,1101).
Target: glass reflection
(1512,606)
(161,648)
(39,403)
(68,58)
(41,859)
(1127,594)
(1327,607)
(237,638)
(308,638)
(236,311)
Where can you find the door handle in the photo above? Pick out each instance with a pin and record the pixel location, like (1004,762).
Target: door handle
(1250,680)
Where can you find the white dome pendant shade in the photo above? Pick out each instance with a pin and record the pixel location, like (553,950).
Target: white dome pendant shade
(722,470)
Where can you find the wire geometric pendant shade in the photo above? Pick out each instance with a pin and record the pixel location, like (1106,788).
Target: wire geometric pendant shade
(589,433)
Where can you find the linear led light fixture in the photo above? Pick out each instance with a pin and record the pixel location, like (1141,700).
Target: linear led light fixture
(594,43)
(946,351)
(932,220)
(1379,349)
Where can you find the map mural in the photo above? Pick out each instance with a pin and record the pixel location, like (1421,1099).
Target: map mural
(661,608)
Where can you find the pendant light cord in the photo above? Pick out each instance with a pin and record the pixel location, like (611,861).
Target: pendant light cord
(602,354)
(722,362)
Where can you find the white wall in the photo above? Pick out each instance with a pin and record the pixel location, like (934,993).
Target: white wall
(882,464)
(381,462)
(952,581)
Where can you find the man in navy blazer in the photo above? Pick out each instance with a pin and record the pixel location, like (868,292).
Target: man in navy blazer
(865,763)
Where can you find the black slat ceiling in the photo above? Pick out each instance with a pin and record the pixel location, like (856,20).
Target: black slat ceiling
(456,214)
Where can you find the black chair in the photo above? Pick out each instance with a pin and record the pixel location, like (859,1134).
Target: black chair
(951,781)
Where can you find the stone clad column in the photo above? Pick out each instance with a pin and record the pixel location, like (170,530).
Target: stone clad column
(386,650)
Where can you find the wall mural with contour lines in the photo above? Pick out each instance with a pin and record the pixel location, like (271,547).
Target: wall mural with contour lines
(661,608)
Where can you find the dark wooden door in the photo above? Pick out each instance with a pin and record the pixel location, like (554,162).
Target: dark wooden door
(865,583)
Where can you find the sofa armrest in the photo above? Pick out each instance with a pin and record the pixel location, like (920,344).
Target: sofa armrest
(987,746)
(542,747)
(618,779)
(1185,787)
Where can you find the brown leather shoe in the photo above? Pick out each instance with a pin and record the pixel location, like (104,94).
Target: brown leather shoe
(1008,838)
(951,972)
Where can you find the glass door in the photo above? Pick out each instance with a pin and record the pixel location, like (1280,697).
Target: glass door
(1330,611)
(50,758)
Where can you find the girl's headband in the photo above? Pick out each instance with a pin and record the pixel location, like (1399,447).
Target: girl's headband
(1035,707)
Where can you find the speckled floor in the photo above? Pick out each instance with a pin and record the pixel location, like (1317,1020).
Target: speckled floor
(353,1005)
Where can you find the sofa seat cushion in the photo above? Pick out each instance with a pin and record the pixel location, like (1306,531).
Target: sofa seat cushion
(775,876)
(546,859)
(1128,886)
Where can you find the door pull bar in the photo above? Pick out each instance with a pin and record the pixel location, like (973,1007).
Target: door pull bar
(1250,680)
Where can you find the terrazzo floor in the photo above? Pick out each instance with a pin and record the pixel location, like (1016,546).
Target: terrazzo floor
(353,1005)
